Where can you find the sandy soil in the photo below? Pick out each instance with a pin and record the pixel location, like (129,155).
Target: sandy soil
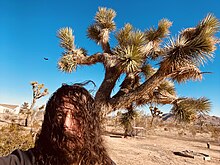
(158,149)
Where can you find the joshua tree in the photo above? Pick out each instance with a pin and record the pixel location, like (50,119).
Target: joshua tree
(126,120)
(178,60)
(37,94)
(155,112)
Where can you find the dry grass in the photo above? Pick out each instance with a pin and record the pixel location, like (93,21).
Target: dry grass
(13,137)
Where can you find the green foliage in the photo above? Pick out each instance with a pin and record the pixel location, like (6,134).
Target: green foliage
(131,49)
(186,109)
(157,34)
(167,86)
(67,63)
(93,32)
(104,23)
(126,120)
(104,18)
(123,35)
(193,47)
(127,37)
(14,137)
(147,71)
(66,38)
(190,72)
(131,58)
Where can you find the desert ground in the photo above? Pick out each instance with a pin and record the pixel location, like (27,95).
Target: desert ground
(157,147)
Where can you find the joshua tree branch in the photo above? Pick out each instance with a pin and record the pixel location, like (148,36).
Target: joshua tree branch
(127,85)
(89,60)
(106,48)
(156,98)
(124,100)
(104,92)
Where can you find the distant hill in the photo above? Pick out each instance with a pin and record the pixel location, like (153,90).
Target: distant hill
(206,119)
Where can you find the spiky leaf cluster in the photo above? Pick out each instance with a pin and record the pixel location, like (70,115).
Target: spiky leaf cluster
(183,115)
(147,70)
(104,18)
(167,86)
(130,50)
(157,34)
(192,47)
(66,38)
(188,73)
(104,23)
(144,42)
(201,105)
(67,63)
(186,109)
(37,90)
(131,58)
(123,35)
(93,33)
(127,37)
(164,93)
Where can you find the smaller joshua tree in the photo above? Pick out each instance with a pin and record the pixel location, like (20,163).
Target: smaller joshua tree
(126,120)
(155,112)
(37,94)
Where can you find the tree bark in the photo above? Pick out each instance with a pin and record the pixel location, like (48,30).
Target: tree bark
(89,60)
(103,94)
(126,99)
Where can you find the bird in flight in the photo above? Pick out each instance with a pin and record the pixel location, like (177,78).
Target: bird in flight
(45,58)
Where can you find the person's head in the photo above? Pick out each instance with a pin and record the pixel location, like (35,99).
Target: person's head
(71,129)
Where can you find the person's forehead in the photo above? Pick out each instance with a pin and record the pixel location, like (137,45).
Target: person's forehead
(68,107)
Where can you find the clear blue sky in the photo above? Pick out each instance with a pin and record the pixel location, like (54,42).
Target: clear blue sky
(28,34)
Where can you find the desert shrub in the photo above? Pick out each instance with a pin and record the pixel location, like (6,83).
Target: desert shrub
(180,133)
(140,122)
(170,125)
(193,130)
(6,117)
(14,137)
(215,132)
(36,125)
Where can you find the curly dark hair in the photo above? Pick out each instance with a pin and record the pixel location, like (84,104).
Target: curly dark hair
(55,147)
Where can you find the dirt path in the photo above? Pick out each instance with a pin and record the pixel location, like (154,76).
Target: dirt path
(158,150)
